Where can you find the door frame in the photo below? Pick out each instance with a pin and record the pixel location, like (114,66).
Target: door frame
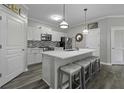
(112,29)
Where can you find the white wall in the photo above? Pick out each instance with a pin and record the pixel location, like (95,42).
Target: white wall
(105,36)
(72,33)
(105,28)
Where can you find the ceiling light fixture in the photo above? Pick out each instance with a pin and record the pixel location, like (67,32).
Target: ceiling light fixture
(85,31)
(63,24)
(56,17)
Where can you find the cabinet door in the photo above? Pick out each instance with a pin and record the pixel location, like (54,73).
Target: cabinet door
(38,58)
(37,34)
(55,36)
(14,42)
(30,33)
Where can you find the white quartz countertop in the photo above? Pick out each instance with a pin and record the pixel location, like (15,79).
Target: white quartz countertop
(67,54)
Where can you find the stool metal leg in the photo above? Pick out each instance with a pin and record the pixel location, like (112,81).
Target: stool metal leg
(61,80)
(70,81)
(99,64)
(90,68)
(80,81)
(83,75)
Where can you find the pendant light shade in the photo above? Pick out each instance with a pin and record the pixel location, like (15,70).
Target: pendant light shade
(85,31)
(63,24)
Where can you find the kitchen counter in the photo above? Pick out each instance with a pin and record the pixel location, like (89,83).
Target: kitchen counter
(63,54)
(52,60)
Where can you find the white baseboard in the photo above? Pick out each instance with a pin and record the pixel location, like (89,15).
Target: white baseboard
(105,63)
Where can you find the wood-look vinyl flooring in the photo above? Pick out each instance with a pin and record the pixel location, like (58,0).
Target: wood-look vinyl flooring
(109,77)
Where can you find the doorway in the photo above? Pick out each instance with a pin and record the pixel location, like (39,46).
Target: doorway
(117,45)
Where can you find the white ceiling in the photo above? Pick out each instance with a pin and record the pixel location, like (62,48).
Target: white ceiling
(74,12)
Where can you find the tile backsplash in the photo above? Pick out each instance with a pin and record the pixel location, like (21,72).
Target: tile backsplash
(36,44)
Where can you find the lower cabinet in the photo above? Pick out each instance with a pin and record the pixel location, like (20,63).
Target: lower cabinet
(34,56)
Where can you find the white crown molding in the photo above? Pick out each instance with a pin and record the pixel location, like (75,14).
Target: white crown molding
(97,19)
(89,21)
(25,6)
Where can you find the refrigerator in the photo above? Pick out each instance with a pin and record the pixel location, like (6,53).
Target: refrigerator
(66,43)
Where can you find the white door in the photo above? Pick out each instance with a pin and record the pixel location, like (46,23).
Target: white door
(93,41)
(13,47)
(117,45)
(1,61)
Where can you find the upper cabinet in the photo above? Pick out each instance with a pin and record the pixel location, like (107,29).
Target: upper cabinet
(37,34)
(30,35)
(56,36)
(34,33)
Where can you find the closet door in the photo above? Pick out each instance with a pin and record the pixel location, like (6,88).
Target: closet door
(13,52)
(117,45)
(1,50)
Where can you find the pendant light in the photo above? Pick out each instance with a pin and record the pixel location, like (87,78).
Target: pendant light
(85,31)
(63,24)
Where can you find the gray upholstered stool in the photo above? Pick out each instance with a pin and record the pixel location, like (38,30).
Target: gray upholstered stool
(95,64)
(69,70)
(86,70)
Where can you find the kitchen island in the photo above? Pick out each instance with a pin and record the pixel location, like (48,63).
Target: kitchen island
(52,60)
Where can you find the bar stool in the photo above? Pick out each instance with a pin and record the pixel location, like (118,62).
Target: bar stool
(95,64)
(69,70)
(86,70)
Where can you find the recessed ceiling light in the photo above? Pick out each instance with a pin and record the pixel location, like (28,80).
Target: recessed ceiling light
(56,17)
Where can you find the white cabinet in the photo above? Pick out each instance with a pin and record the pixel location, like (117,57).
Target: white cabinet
(34,33)
(37,34)
(13,41)
(56,36)
(46,30)
(34,55)
(30,33)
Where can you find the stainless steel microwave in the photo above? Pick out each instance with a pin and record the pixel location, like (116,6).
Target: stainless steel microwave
(46,37)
